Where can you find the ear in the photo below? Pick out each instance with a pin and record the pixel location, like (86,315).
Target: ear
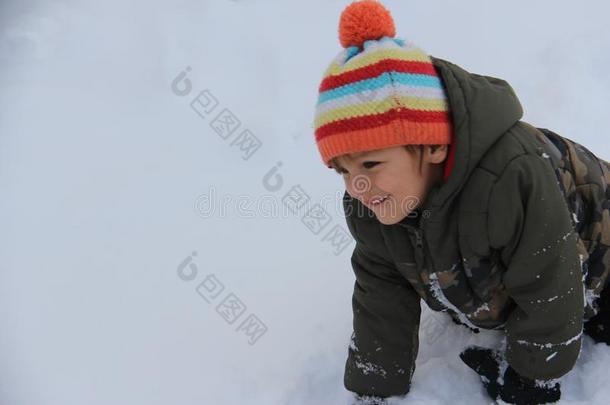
(436,153)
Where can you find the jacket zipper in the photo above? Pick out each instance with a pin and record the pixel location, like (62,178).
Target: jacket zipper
(419,248)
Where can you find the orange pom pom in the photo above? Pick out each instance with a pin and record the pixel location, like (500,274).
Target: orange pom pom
(364,20)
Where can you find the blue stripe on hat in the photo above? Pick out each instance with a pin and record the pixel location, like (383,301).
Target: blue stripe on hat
(384,79)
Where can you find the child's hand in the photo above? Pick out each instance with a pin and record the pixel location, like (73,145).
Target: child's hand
(512,388)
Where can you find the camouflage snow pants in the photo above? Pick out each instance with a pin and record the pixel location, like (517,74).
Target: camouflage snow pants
(585,182)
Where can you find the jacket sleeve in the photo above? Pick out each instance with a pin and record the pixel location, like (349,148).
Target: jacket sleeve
(386,313)
(529,222)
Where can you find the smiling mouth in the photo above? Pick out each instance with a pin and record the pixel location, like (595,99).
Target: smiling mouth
(378,200)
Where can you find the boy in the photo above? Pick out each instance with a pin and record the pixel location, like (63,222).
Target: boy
(455,200)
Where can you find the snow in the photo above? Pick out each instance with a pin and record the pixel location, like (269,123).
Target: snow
(483,307)
(590,296)
(367,368)
(550,345)
(554,243)
(111,179)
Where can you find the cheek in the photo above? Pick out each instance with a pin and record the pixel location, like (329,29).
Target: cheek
(398,183)
(407,189)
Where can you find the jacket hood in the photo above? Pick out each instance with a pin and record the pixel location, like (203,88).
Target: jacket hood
(482,109)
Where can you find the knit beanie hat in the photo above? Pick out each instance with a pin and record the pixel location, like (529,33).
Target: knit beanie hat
(380,91)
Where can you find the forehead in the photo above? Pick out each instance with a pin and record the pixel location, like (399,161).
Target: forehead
(354,156)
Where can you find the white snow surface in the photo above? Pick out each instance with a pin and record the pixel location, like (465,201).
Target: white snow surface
(107,176)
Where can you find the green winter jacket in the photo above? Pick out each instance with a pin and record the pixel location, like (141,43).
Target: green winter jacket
(515,239)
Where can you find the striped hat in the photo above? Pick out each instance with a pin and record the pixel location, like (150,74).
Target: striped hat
(380,91)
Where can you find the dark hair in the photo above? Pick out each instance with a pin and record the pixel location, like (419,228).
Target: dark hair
(419,149)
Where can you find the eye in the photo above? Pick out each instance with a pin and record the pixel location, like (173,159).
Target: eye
(369,164)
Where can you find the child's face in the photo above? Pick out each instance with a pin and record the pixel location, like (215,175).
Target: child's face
(388,181)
